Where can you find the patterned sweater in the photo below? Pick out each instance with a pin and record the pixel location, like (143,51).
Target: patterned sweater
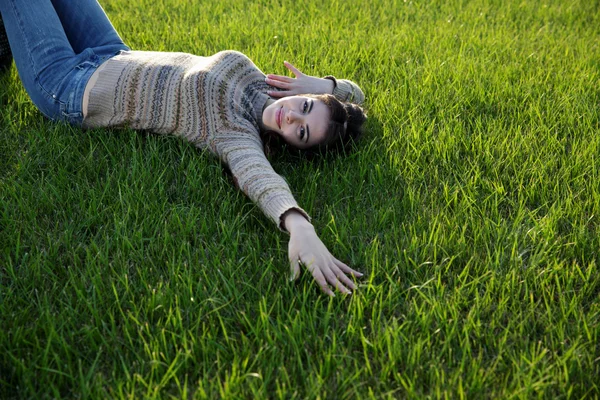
(214,102)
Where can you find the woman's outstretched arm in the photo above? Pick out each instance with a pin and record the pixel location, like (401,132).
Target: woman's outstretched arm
(255,176)
(342,89)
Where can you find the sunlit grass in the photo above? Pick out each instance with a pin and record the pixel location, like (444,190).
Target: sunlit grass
(131,267)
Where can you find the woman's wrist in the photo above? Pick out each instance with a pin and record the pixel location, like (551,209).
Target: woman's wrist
(294,220)
(328,86)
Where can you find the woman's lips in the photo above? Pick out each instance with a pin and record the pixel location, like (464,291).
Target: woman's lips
(278,117)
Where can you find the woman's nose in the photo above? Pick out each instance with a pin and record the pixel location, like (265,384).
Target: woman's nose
(292,116)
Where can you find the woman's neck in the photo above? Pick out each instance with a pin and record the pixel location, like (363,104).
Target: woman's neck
(260,122)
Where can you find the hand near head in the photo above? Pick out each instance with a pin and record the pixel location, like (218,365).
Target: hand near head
(301,84)
(306,248)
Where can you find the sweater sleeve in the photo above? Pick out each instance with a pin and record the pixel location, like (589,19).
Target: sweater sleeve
(345,90)
(256,178)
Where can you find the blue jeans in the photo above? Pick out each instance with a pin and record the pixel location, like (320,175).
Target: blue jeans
(57,45)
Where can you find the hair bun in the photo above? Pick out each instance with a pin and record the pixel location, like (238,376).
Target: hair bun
(356,117)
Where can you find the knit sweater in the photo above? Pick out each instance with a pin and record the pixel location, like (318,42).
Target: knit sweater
(214,102)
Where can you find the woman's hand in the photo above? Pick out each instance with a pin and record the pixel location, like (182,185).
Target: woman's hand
(301,84)
(305,247)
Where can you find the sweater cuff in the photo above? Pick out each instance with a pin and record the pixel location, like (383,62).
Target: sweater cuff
(335,83)
(343,90)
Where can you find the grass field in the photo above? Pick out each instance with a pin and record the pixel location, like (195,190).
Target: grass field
(132,268)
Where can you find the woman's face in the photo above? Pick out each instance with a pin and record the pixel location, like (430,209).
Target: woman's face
(301,121)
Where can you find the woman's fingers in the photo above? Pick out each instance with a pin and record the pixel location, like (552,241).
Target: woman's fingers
(324,275)
(344,279)
(279,78)
(340,287)
(294,70)
(294,269)
(335,278)
(346,269)
(278,84)
(321,281)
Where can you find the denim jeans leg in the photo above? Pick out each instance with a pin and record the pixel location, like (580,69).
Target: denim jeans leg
(52,73)
(40,48)
(87,26)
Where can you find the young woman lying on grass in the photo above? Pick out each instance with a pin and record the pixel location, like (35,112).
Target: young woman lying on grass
(76,69)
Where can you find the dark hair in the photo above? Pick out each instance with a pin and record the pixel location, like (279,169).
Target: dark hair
(345,128)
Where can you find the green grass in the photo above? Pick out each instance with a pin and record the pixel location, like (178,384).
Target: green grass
(131,267)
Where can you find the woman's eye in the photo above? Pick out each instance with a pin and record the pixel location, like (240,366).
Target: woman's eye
(305,107)
(301,133)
